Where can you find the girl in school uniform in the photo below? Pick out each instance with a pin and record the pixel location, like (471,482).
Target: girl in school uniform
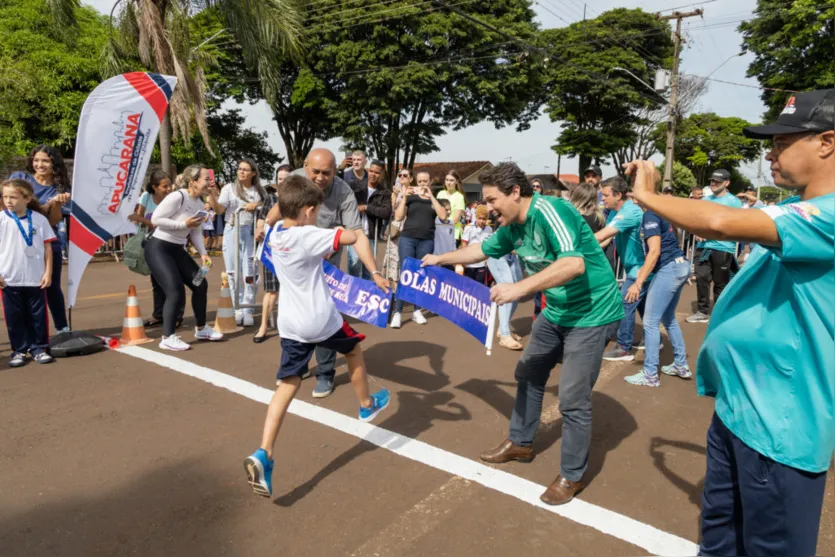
(26,260)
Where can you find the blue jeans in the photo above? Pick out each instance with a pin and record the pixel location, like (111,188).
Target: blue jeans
(246,250)
(626,329)
(505,270)
(752,505)
(355,267)
(412,247)
(662,299)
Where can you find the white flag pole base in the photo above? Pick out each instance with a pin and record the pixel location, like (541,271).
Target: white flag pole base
(491,329)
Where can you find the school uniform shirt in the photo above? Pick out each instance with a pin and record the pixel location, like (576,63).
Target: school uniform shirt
(229,199)
(553,229)
(627,221)
(444,237)
(16,268)
(728,200)
(306,312)
(456,203)
(43,194)
(653,225)
(170,218)
(476,235)
(768,355)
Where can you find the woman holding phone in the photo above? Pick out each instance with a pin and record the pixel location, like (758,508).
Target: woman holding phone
(178,218)
(419,207)
(247,193)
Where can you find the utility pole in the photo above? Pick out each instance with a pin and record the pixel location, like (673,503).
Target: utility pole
(673,107)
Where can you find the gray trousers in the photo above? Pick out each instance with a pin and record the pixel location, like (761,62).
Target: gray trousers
(581,352)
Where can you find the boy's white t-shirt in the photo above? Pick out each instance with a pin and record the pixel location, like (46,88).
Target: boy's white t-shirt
(16,268)
(475,235)
(306,312)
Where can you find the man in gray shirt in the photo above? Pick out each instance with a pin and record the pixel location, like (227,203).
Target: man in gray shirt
(338,209)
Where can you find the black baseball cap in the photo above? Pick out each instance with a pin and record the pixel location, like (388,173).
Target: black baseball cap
(593,168)
(750,188)
(720,175)
(813,111)
(667,189)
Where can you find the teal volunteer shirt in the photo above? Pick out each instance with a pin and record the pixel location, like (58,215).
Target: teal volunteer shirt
(628,241)
(728,200)
(769,355)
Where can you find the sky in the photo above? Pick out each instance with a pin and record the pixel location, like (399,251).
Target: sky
(712,46)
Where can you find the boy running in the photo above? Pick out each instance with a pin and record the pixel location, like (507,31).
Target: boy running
(307,317)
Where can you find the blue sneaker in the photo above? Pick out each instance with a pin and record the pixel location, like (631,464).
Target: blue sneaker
(259,472)
(379,402)
(324,387)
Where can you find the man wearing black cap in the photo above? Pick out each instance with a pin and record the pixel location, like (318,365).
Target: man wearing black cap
(749,198)
(715,260)
(769,351)
(667,191)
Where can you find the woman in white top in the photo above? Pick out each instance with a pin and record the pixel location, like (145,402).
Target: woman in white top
(179,217)
(246,193)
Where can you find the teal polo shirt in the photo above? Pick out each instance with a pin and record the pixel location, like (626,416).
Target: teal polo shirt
(728,200)
(628,221)
(769,355)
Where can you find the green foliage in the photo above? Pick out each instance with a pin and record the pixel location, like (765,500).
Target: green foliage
(683,180)
(393,88)
(597,105)
(706,142)
(231,141)
(793,42)
(45,74)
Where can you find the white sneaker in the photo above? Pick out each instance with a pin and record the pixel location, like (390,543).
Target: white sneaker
(248,321)
(64,330)
(418,317)
(173,342)
(207,333)
(396,320)
(239,317)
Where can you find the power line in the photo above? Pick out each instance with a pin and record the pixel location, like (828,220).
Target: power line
(685,6)
(743,84)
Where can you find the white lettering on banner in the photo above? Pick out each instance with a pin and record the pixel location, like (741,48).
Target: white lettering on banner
(466,303)
(372,303)
(425,285)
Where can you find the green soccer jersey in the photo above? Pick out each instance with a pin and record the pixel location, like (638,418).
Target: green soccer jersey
(553,229)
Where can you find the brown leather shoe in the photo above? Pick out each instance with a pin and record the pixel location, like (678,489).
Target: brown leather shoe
(506,452)
(561,491)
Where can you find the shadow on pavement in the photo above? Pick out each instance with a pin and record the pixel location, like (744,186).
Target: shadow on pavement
(416,414)
(177,509)
(693,491)
(381,360)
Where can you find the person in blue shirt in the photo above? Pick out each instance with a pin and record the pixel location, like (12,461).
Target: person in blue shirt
(47,173)
(624,225)
(769,353)
(670,269)
(715,259)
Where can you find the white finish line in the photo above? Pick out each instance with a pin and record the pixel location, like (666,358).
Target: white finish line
(609,522)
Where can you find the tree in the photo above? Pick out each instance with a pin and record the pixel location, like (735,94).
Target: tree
(231,141)
(158,33)
(395,88)
(683,180)
(599,106)
(691,88)
(793,44)
(45,74)
(706,142)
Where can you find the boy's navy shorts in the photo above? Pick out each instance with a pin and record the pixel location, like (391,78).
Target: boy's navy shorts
(295,355)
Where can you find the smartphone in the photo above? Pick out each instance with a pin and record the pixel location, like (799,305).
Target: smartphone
(211,175)
(201,214)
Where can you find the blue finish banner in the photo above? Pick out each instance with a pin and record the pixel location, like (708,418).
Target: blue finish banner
(354,297)
(458,299)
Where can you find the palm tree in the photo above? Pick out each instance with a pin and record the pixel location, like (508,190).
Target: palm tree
(157,33)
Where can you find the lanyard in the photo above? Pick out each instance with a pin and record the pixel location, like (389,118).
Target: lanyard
(27,239)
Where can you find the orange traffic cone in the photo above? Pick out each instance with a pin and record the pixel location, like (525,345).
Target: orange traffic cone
(225,317)
(133,331)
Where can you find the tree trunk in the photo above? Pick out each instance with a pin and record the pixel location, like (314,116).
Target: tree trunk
(585,162)
(165,143)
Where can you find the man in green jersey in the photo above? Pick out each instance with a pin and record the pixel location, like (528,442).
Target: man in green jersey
(769,353)
(563,260)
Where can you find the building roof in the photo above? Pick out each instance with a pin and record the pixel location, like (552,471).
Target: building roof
(468,170)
